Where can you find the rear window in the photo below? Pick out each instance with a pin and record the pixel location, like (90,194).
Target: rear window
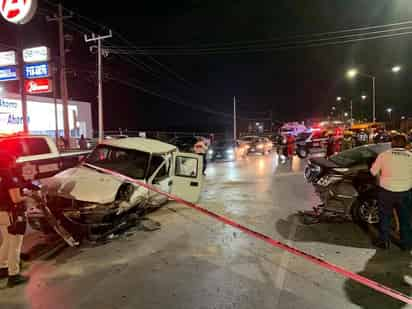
(36,146)
(358,155)
(20,147)
(12,146)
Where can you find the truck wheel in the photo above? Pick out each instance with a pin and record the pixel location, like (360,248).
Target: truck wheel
(302,152)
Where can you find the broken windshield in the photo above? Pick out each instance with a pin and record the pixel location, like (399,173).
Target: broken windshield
(131,163)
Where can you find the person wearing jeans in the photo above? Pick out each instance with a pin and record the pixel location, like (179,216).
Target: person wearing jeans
(394,169)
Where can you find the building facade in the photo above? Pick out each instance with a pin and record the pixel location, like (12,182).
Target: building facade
(41,116)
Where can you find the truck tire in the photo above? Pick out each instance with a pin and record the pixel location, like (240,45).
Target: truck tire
(302,152)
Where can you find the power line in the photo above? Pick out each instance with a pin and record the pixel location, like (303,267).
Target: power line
(280,47)
(144,89)
(122,38)
(285,39)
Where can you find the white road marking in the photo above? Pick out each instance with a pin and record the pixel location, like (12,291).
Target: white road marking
(284,262)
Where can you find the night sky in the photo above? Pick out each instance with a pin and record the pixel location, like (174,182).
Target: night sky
(294,84)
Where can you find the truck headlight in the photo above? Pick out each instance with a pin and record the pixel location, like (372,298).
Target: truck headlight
(210,152)
(328,180)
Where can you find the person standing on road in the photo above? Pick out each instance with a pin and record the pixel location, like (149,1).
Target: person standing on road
(330,148)
(290,145)
(394,168)
(12,222)
(82,142)
(201,149)
(347,142)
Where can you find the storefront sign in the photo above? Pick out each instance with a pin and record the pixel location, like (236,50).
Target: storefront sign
(8,58)
(36,54)
(8,73)
(36,70)
(38,85)
(18,11)
(41,116)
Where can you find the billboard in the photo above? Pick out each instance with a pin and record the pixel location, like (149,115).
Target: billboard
(18,11)
(38,85)
(41,117)
(8,73)
(8,58)
(38,70)
(36,54)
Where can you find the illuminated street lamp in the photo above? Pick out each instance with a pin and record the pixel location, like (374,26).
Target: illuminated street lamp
(396,69)
(389,110)
(333,108)
(363,97)
(352,73)
(346,114)
(339,99)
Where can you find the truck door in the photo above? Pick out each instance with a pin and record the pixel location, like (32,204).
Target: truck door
(160,178)
(187,176)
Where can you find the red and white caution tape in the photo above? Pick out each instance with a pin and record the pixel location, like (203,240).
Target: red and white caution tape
(275,243)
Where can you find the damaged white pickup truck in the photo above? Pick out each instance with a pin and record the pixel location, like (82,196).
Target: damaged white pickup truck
(85,198)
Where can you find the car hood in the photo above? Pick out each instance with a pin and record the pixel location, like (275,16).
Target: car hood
(84,184)
(324,162)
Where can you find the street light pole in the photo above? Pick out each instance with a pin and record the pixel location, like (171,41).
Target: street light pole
(374,98)
(234,119)
(351,113)
(352,74)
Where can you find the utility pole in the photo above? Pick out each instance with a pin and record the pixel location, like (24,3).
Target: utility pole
(23,96)
(99,39)
(374,98)
(234,119)
(56,114)
(351,112)
(63,81)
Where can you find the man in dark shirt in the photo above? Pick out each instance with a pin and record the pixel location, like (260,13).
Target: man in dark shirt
(11,244)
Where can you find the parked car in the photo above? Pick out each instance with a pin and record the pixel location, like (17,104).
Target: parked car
(344,183)
(311,142)
(257,145)
(184,143)
(84,197)
(116,136)
(227,150)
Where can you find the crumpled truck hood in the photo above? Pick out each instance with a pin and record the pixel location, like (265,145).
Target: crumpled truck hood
(84,184)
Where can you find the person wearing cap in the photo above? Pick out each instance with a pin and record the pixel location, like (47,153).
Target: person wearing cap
(11,229)
(394,169)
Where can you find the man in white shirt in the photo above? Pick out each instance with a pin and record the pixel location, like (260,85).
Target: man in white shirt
(394,169)
(201,149)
